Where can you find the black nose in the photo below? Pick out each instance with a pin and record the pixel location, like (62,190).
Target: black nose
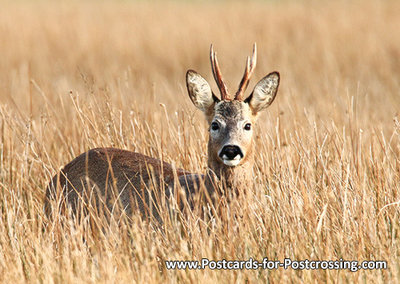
(230,152)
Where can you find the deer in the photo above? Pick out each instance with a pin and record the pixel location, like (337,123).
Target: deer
(109,176)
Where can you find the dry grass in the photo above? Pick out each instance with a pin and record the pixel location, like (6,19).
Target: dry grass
(77,76)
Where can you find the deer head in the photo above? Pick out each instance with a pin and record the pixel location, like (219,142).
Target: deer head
(231,120)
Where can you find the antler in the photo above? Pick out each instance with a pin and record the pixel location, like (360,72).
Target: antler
(217,75)
(250,66)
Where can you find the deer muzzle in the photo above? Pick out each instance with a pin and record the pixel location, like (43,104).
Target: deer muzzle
(231,155)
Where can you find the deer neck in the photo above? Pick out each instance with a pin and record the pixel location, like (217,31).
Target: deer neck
(232,178)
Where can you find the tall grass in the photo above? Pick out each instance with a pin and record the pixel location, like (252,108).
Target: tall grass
(74,76)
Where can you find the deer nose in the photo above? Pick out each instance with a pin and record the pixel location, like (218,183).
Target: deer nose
(231,152)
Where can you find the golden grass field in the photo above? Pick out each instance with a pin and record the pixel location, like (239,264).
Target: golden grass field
(75,76)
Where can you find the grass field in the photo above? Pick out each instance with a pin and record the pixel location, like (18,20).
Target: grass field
(75,76)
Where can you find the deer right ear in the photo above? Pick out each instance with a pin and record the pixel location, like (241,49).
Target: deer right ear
(199,91)
(264,92)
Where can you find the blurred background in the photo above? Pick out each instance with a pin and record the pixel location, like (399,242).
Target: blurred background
(326,51)
(75,75)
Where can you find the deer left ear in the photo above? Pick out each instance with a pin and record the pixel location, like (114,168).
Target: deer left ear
(199,91)
(264,92)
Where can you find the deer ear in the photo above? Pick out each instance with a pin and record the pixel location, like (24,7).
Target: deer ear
(264,92)
(199,91)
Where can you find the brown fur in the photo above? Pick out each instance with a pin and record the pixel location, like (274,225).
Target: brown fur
(114,177)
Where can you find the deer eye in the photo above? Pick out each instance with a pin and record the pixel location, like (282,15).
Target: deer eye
(247,126)
(214,126)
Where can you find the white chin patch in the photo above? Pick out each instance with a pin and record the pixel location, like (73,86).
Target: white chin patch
(231,163)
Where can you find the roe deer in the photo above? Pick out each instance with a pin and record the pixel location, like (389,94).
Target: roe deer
(107,175)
